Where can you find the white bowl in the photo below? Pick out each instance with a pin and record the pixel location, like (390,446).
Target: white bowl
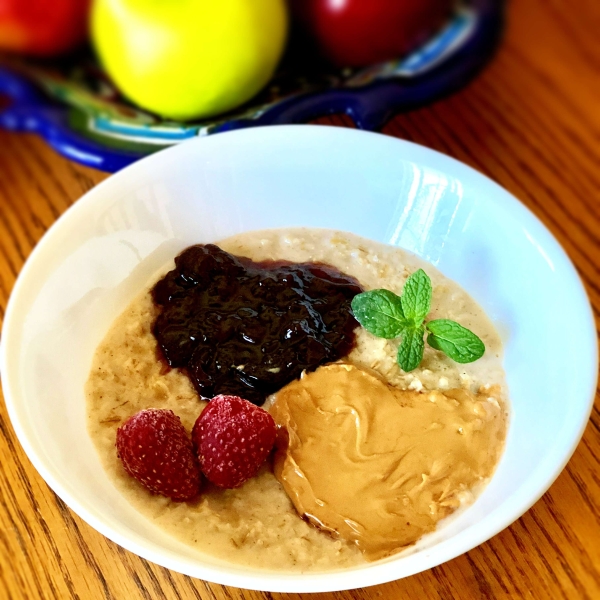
(102,251)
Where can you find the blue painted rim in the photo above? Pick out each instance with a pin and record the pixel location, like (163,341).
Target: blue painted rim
(370,106)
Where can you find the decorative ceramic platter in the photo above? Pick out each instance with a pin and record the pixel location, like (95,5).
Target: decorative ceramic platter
(74,106)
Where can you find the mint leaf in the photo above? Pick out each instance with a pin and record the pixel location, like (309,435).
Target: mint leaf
(416,297)
(380,312)
(454,340)
(410,352)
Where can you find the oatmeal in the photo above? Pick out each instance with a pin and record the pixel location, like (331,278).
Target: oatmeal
(257,524)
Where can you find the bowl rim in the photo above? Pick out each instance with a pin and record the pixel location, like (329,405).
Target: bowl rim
(507,513)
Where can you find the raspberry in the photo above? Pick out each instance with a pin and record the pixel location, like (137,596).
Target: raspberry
(232,437)
(156,450)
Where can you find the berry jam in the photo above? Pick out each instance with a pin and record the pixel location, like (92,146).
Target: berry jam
(246,329)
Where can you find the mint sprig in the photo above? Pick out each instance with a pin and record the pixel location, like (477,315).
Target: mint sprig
(389,316)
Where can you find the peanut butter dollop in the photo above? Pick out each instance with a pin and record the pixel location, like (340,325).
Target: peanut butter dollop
(379,466)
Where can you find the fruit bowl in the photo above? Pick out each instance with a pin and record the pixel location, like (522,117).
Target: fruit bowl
(108,245)
(74,106)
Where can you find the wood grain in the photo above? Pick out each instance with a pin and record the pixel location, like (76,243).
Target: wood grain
(531,121)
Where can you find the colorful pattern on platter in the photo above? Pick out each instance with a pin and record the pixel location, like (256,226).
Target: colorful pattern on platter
(78,111)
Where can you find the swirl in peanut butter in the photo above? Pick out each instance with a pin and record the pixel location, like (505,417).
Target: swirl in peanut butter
(379,466)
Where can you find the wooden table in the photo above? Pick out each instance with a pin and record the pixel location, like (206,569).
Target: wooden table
(532,123)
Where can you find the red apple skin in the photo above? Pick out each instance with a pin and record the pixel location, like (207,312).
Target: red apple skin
(43,27)
(355,33)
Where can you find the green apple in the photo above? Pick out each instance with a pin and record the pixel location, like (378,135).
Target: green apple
(189,59)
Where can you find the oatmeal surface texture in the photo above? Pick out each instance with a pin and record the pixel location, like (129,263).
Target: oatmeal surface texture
(257,525)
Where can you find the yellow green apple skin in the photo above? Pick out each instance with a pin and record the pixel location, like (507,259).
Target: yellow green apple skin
(189,59)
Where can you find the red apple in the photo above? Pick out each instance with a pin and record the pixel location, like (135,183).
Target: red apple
(362,32)
(43,27)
